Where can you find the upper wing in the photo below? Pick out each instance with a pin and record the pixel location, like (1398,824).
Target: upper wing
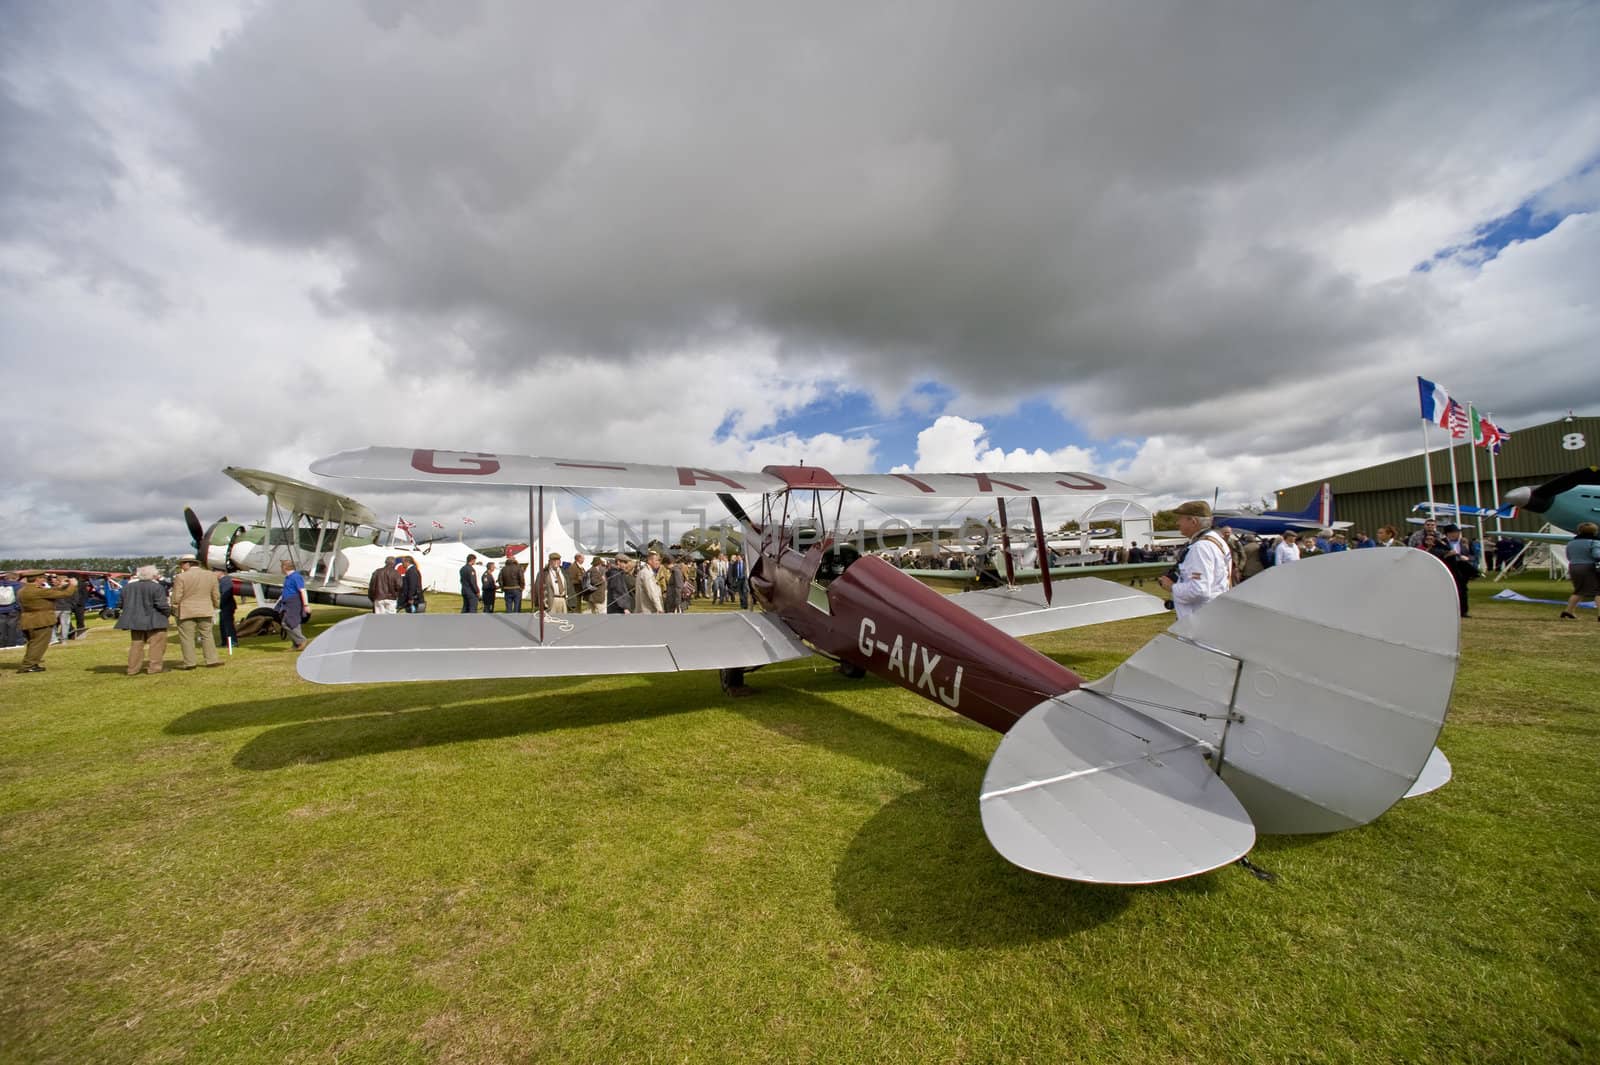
(383,647)
(482,467)
(1022,611)
(1077,485)
(303,498)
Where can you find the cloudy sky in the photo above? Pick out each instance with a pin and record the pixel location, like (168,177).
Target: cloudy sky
(1191,246)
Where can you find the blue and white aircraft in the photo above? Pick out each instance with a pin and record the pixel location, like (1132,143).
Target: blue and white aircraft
(1317,515)
(1565,502)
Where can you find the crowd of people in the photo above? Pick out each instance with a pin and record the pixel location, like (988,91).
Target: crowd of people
(36,606)
(1249,553)
(38,609)
(614,585)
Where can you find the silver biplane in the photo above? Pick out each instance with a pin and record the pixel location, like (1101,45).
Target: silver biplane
(1306,700)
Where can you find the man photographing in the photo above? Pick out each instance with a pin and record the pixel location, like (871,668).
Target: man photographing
(1204,564)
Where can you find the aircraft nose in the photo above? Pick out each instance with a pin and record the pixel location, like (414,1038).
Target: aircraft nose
(1518,497)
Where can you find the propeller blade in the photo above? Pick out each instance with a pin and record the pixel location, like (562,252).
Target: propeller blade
(196,530)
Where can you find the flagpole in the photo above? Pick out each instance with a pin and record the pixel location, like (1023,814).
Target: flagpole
(544,589)
(1427,464)
(1455,488)
(1494,484)
(1477,485)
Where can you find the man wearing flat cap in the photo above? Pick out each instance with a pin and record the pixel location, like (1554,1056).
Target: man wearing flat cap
(195,597)
(550,591)
(1204,565)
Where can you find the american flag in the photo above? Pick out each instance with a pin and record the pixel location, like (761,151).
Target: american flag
(1458,421)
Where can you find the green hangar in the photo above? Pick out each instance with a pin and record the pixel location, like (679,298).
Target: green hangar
(1384,494)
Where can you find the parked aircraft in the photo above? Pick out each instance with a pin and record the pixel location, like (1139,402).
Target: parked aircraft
(332,539)
(1318,514)
(1305,700)
(1565,502)
(1431,509)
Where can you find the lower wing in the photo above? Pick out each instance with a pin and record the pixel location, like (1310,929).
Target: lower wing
(1022,610)
(396,647)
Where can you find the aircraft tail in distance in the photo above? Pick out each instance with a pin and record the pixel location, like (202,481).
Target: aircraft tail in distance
(1319,510)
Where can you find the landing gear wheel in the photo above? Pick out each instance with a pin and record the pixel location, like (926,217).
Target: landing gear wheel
(850,669)
(733,682)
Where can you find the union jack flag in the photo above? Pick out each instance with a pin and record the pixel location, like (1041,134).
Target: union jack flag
(468,521)
(1493,435)
(405,526)
(438,525)
(1458,421)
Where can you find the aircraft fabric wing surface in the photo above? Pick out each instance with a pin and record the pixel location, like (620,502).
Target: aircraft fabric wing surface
(1542,537)
(408,647)
(1022,611)
(302,498)
(481,467)
(1086,486)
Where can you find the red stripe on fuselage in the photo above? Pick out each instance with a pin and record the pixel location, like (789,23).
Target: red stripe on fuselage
(898,628)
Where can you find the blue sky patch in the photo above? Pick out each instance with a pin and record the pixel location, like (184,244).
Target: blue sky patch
(1527,222)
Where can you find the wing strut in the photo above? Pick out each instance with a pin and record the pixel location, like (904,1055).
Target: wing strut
(1005,543)
(1044,550)
(542,591)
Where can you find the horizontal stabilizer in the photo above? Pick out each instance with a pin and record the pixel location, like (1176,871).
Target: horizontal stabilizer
(1435,775)
(1084,788)
(1022,611)
(1338,671)
(394,647)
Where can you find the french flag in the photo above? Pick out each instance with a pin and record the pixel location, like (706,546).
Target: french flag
(1435,403)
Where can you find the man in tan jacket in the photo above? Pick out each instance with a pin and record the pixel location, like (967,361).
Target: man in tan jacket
(194,598)
(550,590)
(647,586)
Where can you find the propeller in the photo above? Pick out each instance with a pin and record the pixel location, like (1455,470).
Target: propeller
(196,532)
(203,536)
(1538,499)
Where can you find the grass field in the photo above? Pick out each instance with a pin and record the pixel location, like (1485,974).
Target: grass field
(235,865)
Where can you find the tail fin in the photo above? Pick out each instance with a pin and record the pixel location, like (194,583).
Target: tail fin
(1314,692)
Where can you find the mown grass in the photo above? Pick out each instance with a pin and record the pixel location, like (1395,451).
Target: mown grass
(234,865)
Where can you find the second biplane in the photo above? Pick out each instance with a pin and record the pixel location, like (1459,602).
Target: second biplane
(334,540)
(1306,700)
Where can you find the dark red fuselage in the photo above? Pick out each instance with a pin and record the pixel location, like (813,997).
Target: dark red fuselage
(894,626)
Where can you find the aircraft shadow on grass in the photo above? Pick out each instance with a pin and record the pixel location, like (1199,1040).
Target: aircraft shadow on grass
(950,889)
(353,724)
(920,871)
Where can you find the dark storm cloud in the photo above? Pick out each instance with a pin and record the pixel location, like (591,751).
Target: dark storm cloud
(60,170)
(1126,198)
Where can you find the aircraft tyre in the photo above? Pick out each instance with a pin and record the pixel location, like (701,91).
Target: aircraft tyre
(733,684)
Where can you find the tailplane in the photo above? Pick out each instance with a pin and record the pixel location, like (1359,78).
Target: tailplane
(1314,693)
